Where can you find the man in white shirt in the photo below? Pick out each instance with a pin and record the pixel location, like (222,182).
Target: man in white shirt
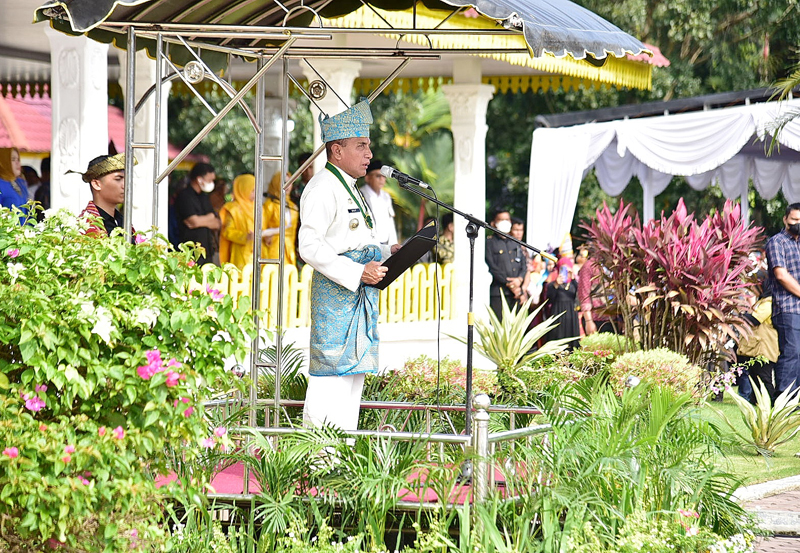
(339,240)
(380,203)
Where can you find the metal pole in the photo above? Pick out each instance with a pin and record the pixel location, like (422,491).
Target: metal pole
(255,285)
(480,476)
(130,112)
(157,137)
(284,165)
(472,233)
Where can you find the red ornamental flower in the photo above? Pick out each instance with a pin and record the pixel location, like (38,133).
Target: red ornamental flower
(188,412)
(220,431)
(118,432)
(42,427)
(66,458)
(101,431)
(69,449)
(11,452)
(12,252)
(139,239)
(208,443)
(41,388)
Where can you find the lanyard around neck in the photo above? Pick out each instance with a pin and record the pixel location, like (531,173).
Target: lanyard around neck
(361,205)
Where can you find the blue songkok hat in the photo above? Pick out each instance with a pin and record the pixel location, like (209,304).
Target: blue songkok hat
(353,122)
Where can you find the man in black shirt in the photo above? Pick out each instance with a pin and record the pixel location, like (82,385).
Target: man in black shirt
(197,220)
(506,264)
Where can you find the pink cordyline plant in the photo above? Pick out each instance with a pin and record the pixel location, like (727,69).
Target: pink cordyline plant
(683,282)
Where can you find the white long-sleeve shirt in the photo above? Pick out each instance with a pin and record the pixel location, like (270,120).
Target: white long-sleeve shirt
(381,205)
(326,214)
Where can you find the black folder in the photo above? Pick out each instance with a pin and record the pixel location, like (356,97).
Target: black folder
(412,249)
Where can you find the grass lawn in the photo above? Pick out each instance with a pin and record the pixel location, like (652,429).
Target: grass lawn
(742,462)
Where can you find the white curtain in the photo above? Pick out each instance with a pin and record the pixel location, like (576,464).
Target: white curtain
(703,146)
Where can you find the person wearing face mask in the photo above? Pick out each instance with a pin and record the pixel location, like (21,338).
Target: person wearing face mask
(783,272)
(197,220)
(506,263)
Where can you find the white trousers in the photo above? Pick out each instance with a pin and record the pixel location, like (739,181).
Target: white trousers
(333,400)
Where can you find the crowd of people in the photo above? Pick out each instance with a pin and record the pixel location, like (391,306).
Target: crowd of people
(559,280)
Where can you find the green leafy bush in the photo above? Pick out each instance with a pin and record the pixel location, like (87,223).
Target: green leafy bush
(107,349)
(616,344)
(416,382)
(660,366)
(642,451)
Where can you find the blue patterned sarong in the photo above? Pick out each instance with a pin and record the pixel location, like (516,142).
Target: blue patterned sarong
(344,324)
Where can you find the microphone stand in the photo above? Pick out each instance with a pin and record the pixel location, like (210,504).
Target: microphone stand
(473,225)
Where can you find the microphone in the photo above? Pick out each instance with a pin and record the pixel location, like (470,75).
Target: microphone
(392,173)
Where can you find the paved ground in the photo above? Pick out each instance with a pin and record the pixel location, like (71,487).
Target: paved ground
(783,512)
(778,545)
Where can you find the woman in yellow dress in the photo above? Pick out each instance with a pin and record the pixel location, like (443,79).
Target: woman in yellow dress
(272,211)
(236,237)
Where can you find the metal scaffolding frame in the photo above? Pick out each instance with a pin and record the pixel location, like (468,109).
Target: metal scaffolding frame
(168,36)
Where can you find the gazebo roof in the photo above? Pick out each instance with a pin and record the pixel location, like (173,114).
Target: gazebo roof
(518,39)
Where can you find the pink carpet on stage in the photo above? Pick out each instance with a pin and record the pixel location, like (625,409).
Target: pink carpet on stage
(230,480)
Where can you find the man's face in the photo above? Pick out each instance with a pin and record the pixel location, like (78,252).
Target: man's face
(353,156)
(307,174)
(110,188)
(792,218)
(517,231)
(502,216)
(375,180)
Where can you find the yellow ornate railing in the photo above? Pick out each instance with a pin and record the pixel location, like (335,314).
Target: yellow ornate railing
(410,298)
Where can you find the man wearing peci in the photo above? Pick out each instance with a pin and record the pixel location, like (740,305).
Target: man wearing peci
(106,177)
(339,240)
(380,203)
(783,258)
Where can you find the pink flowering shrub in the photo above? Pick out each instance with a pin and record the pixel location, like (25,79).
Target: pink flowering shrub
(107,350)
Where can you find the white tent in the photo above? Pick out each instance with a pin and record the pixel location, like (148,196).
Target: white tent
(719,146)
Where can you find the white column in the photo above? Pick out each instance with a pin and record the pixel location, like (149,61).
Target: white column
(468,103)
(144,132)
(340,75)
(648,202)
(79,92)
(744,203)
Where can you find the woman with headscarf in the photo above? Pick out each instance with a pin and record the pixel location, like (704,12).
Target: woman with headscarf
(236,237)
(272,220)
(13,190)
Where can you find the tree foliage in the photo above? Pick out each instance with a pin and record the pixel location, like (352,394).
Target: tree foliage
(713,47)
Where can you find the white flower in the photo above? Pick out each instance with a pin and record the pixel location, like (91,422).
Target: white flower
(103,325)
(145,316)
(87,309)
(14,270)
(28,232)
